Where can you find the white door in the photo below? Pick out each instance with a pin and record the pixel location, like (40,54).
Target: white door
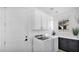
(0,30)
(16,30)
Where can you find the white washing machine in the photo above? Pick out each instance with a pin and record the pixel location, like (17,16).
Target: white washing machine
(46,45)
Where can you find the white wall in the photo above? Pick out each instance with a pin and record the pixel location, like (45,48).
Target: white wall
(71,14)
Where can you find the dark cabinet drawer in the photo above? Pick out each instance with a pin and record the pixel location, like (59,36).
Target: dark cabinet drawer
(68,44)
(73,46)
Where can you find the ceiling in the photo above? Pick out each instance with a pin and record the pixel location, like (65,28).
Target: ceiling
(57,10)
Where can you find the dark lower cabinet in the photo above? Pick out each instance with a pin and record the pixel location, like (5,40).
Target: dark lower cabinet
(68,45)
(73,45)
(63,44)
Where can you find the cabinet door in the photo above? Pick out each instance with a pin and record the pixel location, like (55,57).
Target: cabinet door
(47,22)
(63,44)
(73,45)
(44,21)
(16,28)
(37,20)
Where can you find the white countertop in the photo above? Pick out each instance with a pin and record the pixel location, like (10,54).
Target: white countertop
(54,36)
(70,37)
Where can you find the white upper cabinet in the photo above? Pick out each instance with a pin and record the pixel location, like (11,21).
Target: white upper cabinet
(42,20)
(37,21)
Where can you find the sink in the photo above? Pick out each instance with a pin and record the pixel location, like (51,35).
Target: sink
(41,37)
